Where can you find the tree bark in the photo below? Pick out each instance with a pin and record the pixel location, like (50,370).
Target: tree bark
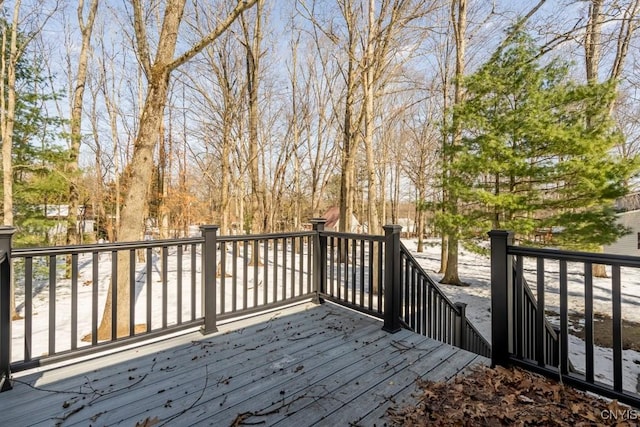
(86,28)
(459,18)
(7,116)
(139,170)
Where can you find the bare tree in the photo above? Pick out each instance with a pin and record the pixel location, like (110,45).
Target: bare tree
(86,28)
(252,44)
(157,69)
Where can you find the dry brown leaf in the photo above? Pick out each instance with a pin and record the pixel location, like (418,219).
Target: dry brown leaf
(148,422)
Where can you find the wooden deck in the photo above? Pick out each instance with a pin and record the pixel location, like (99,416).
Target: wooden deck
(304,365)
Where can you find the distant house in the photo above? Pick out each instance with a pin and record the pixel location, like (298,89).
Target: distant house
(628,244)
(60,214)
(408,226)
(332,215)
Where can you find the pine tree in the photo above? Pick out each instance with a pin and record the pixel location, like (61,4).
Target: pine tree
(37,157)
(537,152)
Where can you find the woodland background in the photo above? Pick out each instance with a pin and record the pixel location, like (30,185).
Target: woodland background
(153,116)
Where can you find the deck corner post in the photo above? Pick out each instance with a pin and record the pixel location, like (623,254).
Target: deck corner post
(319,260)
(460,325)
(392,276)
(501,289)
(6,233)
(209,285)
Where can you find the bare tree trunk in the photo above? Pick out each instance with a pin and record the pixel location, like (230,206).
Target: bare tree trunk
(593,49)
(252,45)
(459,18)
(86,28)
(139,170)
(7,116)
(368,84)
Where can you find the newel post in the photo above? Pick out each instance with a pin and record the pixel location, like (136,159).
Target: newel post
(392,278)
(461,325)
(319,260)
(501,296)
(6,233)
(209,270)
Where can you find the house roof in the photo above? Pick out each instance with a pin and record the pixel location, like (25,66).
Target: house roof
(332,215)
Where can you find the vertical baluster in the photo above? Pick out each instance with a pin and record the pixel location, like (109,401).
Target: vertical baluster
(339,267)
(588,321)
(149,274)
(234,275)
(301,265)
(165,286)
(265,288)
(425,307)
(223,277)
(309,265)
(520,331)
(380,276)
(418,327)
(275,270)
(114,295)
(132,292)
(284,268)
(28,307)
(616,302)
(295,241)
(255,255)
(370,283)
(332,257)
(540,324)
(407,284)
(74,301)
(52,305)
(179,286)
(354,257)
(362,249)
(245,274)
(412,303)
(94,298)
(563,339)
(193,281)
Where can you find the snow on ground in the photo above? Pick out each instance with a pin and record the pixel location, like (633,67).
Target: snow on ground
(231,299)
(474,269)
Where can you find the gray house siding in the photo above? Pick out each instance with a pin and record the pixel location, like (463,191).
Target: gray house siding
(627,244)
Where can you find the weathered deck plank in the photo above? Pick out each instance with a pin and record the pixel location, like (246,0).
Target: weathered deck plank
(308,364)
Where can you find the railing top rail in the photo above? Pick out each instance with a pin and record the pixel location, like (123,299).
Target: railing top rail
(595,258)
(354,236)
(119,246)
(250,237)
(101,247)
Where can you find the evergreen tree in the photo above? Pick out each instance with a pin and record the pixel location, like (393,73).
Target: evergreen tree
(37,156)
(537,152)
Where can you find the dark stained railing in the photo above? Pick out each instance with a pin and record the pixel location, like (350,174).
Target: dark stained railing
(520,334)
(527,322)
(173,285)
(360,270)
(428,311)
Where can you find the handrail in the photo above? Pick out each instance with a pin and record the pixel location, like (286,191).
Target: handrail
(525,336)
(102,247)
(576,256)
(459,331)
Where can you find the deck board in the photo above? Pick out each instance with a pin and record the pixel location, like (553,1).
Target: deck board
(303,365)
